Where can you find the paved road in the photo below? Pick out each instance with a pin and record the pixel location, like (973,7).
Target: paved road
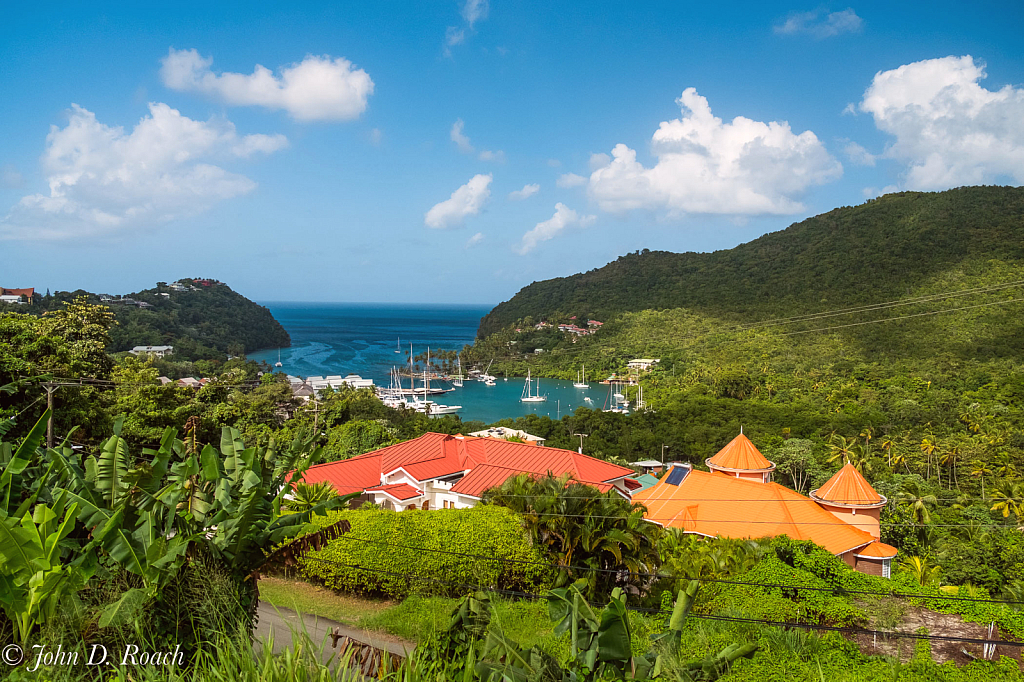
(282,622)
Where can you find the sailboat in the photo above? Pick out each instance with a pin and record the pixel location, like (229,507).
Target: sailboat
(528,395)
(398,347)
(457,381)
(278,363)
(582,384)
(429,407)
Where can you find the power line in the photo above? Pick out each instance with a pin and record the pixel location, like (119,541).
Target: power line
(846,311)
(905,317)
(759,621)
(479,557)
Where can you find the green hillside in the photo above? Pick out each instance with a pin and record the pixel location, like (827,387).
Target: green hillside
(877,251)
(202,324)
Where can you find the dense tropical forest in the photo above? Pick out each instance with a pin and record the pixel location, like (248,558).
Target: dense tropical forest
(874,252)
(202,319)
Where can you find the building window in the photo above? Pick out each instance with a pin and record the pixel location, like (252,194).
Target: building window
(886,568)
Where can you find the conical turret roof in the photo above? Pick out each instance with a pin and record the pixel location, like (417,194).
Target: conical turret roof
(848,487)
(740,455)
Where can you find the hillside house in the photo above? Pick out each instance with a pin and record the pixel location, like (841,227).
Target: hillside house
(17,296)
(643,364)
(735,502)
(154,351)
(438,471)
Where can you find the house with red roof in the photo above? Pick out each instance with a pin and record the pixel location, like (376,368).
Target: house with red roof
(738,499)
(440,471)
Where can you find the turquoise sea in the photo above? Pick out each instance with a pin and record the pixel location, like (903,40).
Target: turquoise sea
(361,338)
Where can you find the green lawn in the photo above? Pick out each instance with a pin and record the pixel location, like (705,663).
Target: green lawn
(414,619)
(303,597)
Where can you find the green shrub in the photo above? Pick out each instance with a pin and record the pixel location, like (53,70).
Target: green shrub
(374,558)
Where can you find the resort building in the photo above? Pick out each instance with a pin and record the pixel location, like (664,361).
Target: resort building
(648,466)
(505,433)
(643,364)
(737,499)
(438,471)
(336,381)
(155,351)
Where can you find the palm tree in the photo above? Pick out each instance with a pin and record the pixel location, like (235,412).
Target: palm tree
(1007,499)
(842,449)
(922,570)
(886,445)
(928,447)
(948,458)
(918,502)
(308,495)
(981,469)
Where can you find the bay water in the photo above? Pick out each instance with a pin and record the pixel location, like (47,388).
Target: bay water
(361,338)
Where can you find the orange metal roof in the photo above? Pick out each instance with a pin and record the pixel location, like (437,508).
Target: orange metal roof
(848,486)
(716,505)
(435,455)
(878,550)
(740,454)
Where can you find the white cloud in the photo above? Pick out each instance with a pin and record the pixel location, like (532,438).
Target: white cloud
(318,88)
(475,239)
(743,167)
(563,219)
(570,180)
(475,10)
(465,201)
(460,139)
(526,192)
(859,155)
(948,130)
(454,36)
(103,179)
(820,25)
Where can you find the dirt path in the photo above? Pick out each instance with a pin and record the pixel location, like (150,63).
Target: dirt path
(281,623)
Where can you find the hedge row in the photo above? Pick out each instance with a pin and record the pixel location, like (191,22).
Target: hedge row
(389,553)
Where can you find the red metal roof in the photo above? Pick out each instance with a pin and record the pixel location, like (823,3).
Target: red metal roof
(436,455)
(400,491)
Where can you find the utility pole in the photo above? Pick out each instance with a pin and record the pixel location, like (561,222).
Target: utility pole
(663,446)
(50,388)
(582,436)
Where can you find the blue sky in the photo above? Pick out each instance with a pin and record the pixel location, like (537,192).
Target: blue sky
(374,155)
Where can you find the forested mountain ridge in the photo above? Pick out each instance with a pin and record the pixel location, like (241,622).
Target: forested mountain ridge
(873,252)
(204,323)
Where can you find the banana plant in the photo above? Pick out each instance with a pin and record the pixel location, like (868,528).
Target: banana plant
(601,646)
(33,580)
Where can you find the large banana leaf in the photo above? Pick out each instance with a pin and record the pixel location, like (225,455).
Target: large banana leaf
(111,469)
(19,461)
